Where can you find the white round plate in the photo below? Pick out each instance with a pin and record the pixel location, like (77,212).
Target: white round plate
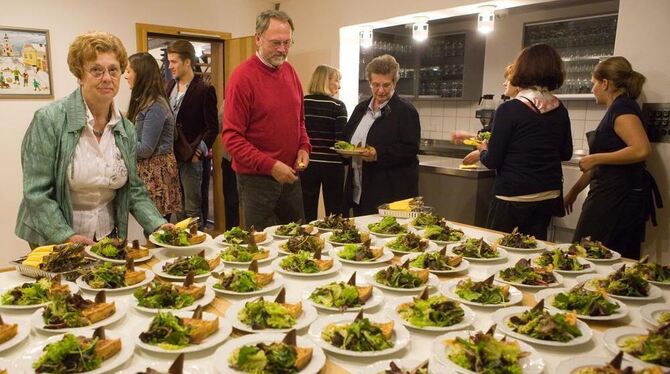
(571,365)
(327,236)
(422,231)
(186,248)
(163,366)
(502,255)
(273,254)
(158,270)
(337,265)
(531,364)
(376,299)
(277,283)
(615,255)
(654,291)
(433,281)
(381,366)
(148,278)
(612,336)
(88,251)
(73,289)
(219,240)
(391,311)
(272,229)
(464,265)
(432,247)
(313,223)
(204,301)
(449,288)
(226,350)
(211,341)
(549,294)
(401,337)
(385,257)
(501,316)
(590,269)
(651,312)
(559,281)
(37,321)
(326,248)
(32,353)
(23,330)
(12,366)
(308,316)
(381,235)
(616,267)
(540,247)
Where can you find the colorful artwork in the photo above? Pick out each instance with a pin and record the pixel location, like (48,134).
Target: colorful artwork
(25,67)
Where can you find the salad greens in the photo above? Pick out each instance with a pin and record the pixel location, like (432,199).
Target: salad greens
(475,248)
(293,229)
(623,283)
(663,317)
(361,335)
(303,242)
(38,292)
(161,295)
(409,242)
(590,249)
(66,311)
(261,314)
(183,265)
(388,225)
(523,273)
(279,358)
(238,235)
(332,222)
(436,261)
(173,236)
(243,253)
(239,281)
(483,353)
(106,275)
(426,219)
(360,252)
(653,348)
(69,355)
(349,235)
(484,292)
(443,233)
(336,295)
(345,146)
(302,262)
(651,271)
(167,331)
(537,323)
(515,239)
(113,248)
(435,311)
(397,276)
(395,369)
(560,260)
(585,302)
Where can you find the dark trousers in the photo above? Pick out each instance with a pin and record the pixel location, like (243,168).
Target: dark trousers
(231,199)
(532,218)
(266,202)
(319,175)
(204,191)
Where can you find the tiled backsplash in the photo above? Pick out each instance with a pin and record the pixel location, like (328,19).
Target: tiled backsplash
(439,119)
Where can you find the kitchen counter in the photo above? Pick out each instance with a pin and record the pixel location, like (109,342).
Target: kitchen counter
(449,166)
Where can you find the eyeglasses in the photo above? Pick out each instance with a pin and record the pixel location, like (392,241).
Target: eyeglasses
(98,71)
(385,85)
(280,43)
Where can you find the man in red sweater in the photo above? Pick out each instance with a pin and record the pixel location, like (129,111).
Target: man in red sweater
(264,127)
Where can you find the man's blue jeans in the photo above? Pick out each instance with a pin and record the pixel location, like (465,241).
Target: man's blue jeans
(190,174)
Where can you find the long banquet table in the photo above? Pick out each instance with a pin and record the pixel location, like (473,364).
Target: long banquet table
(420,344)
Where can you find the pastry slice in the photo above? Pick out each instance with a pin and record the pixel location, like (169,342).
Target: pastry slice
(190,288)
(303,354)
(133,276)
(364,292)
(135,251)
(422,274)
(195,237)
(386,327)
(200,329)
(105,348)
(262,279)
(99,310)
(295,310)
(58,288)
(7,331)
(323,265)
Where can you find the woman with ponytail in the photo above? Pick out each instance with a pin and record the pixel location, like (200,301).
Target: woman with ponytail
(620,200)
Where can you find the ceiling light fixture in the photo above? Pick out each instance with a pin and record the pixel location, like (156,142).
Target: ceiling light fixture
(486,18)
(420,29)
(365,36)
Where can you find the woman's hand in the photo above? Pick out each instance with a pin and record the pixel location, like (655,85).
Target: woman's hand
(81,239)
(457,137)
(483,146)
(568,200)
(471,158)
(588,162)
(166,226)
(301,161)
(370,154)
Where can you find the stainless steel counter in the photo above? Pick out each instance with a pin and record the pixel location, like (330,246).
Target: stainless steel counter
(449,166)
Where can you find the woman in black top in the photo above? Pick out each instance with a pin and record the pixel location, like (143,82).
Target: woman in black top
(619,199)
(530,137)
(325,117)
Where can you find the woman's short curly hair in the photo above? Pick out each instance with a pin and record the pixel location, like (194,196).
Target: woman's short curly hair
(383,65)
(86,47)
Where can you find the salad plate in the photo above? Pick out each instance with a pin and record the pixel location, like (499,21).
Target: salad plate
(23,330)
(271,256)
(573,364)
(525,243)
(203,301)
(432,247)
(381,367)
(588,269)
(464,265)
(375,300)
(557,283)
(400,338)
(149,276)
(502,255)
(88,251)
(37,322)
(654,291)
(71,286)
(328,235)
(655,314)
(273,229)
(615,338)
(282,243)
(433,281)
(616,267)
(35,351)
(276,283)
(616,256)
(502,316)
(224,331)
(163,367)
(221,240)
(391,310)
(337,265)
(158,270)
(185,248)
(385,257)
(336,221)
(224,352)
(549,294)
(541,246)
(308,316)
(533,363)
(449,288)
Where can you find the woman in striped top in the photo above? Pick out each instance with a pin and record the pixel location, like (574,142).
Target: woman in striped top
(325,117)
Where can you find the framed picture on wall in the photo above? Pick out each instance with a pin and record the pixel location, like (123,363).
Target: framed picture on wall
(25,64)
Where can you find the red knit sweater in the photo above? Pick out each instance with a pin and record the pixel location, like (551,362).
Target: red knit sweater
(263,117)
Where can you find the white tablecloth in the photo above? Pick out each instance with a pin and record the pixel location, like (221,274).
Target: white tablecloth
(420,345)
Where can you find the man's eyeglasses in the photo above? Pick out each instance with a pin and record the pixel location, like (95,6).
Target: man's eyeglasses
(385,85)
(280,43)
(99,71)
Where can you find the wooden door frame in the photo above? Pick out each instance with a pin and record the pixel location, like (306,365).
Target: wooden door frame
(143,30)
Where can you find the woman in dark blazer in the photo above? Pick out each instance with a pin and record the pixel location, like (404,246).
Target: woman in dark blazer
(388,126)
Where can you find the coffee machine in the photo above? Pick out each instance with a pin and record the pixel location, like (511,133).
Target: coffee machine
(486,111)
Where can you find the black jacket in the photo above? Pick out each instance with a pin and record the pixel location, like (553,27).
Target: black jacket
(395,135)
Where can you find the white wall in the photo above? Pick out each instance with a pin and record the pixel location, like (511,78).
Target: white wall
(67,18)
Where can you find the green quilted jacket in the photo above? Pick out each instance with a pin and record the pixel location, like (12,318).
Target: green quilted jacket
(45,214)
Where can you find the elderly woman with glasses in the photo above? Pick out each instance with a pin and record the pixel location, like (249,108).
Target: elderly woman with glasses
(388,126)
(78,156)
